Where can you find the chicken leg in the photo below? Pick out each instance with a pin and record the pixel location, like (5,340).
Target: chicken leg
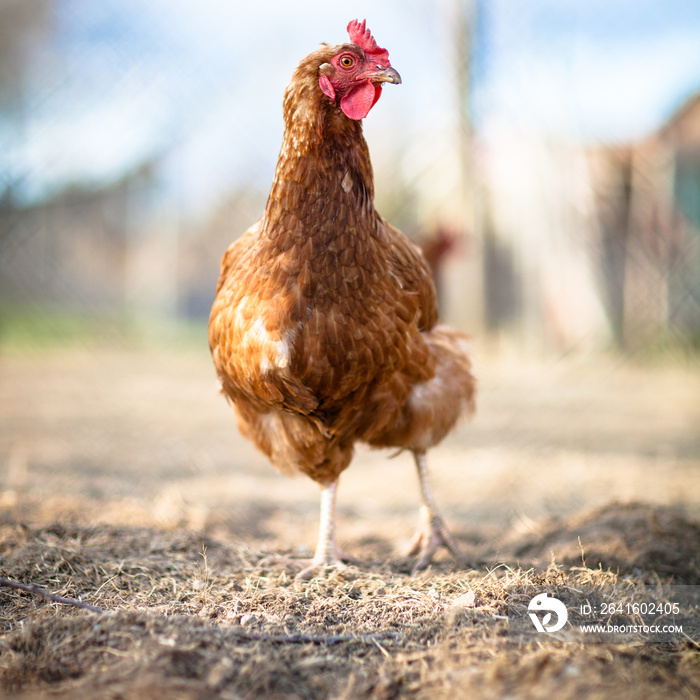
(327,551)
(327,554)
(431,532)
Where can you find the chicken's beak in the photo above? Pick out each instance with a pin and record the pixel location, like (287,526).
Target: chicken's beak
(386,75)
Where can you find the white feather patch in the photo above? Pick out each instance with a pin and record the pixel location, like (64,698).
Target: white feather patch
(274,347)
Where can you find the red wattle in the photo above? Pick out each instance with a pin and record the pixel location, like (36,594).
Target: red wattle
(357,103)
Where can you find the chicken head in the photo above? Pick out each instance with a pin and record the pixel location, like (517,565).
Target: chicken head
(353,78)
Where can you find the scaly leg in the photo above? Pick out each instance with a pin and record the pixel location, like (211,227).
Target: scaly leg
(327,551)
(328,554)
(431,532)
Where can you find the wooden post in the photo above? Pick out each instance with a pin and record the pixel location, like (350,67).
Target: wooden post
(464,274)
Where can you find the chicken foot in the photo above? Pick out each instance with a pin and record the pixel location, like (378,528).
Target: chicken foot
(327,554)
(431,533)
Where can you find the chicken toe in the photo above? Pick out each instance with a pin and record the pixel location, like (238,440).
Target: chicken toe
(430,535)
(313,568)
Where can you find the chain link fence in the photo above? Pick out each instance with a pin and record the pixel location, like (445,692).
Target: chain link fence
(138,140)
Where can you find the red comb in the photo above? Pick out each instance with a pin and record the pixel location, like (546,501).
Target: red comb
(360,35)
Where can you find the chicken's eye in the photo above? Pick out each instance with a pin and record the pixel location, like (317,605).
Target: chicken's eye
(347,61)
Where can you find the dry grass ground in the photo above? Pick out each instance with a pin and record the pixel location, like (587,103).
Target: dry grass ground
(123,482)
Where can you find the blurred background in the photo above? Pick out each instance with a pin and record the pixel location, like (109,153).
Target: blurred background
(545,154)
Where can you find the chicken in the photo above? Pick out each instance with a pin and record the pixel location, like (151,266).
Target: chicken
(324,327)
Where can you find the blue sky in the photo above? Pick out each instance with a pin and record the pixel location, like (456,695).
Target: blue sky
(202,80)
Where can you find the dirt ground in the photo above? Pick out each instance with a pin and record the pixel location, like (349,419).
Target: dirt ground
(124,483)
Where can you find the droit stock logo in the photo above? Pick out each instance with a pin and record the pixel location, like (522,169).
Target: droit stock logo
(544,603)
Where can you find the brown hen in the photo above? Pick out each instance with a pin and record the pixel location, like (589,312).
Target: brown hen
(323,331)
